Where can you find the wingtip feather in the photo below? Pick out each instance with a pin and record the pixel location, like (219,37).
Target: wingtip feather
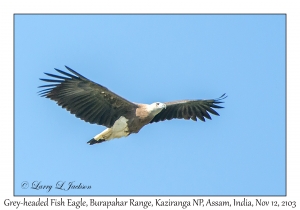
(76,73)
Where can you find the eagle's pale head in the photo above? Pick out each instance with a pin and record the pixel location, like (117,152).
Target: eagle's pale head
(156,107)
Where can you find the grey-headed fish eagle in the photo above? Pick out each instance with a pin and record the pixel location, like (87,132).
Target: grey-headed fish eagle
(96,104)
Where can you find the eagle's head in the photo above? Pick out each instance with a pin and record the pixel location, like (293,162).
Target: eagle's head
(156,108)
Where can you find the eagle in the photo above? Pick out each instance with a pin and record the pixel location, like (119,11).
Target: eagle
(96,104)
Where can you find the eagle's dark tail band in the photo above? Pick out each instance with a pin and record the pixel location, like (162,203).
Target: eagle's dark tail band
(94,141)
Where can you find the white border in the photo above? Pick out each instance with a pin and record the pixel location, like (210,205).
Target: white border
(8,8)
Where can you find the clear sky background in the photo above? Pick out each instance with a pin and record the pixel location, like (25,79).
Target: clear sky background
(149,58)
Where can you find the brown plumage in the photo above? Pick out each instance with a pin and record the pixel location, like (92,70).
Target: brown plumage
(96,104)
(189,109)
(89,101)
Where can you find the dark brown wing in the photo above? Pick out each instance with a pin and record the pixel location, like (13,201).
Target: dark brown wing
(189,109)
(86,99)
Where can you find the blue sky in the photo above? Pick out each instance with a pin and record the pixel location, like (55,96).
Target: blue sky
(149,58)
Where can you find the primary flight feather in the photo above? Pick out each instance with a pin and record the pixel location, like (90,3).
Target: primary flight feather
(96,104)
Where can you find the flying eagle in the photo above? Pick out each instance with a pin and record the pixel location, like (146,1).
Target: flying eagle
(96,104)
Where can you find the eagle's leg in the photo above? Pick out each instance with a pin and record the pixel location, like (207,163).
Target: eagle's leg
(103,136)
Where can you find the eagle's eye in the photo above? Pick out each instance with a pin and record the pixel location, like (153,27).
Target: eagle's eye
(157,104)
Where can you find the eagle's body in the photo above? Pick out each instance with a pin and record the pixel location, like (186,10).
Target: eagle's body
(96,104)
(129,123)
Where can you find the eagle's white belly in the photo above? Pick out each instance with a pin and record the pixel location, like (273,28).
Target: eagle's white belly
(118,130)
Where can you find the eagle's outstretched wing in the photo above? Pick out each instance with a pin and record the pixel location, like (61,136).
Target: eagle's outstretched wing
(86,99)
(189,109)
